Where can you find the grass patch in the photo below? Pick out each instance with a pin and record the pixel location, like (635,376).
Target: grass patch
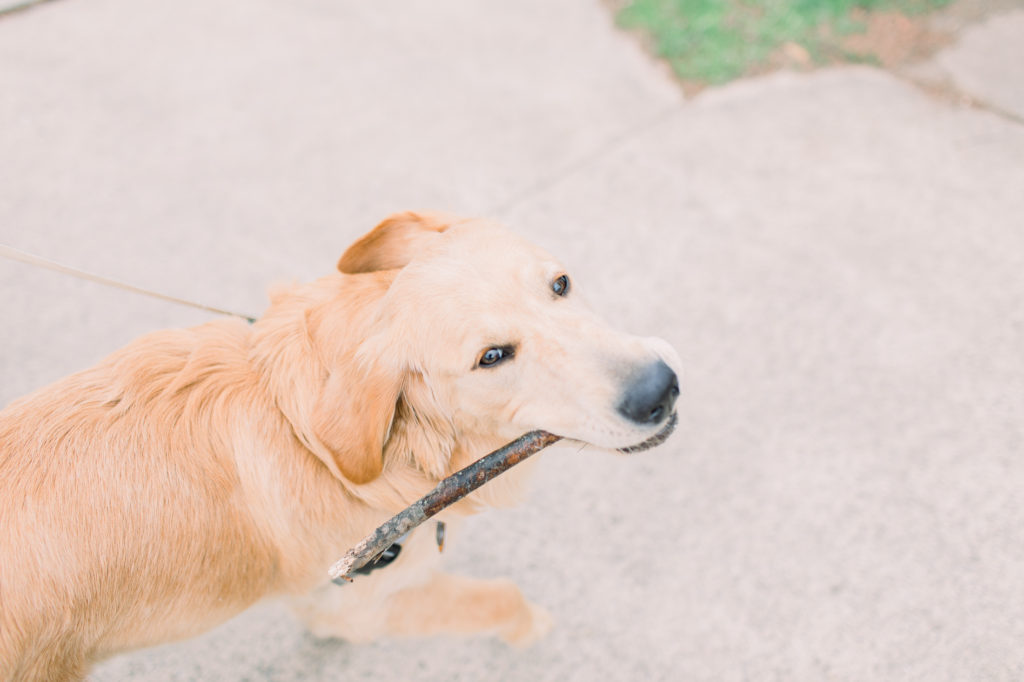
(715,41)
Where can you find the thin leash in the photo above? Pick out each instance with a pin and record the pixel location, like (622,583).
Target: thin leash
(11,253)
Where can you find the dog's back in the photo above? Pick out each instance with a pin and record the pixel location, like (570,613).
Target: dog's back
(113,490)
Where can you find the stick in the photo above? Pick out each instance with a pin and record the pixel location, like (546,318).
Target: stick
(448,492)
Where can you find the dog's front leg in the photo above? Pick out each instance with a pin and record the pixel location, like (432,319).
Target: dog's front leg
(444,604)
(459,605)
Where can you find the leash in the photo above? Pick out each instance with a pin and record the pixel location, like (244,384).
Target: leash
(30,259)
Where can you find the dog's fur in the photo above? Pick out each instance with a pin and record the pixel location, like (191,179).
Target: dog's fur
(197,471)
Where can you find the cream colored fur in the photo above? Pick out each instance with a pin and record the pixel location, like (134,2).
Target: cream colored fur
(197,471)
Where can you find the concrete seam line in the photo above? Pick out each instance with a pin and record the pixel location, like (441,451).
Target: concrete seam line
(951,93)
(573,167)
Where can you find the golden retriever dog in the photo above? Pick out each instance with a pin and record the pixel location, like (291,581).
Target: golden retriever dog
(196,471)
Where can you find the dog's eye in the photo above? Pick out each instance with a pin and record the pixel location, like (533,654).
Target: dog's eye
(561,285)
(493,356)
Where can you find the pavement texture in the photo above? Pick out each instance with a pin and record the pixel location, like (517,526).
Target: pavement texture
(838,256)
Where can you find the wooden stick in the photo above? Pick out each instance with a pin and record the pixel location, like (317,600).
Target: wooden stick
(448,492)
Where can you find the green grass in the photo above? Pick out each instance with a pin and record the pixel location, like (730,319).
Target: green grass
(715,41)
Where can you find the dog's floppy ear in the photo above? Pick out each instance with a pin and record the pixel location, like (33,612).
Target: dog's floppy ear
(422,430)
(352,419)
(393,243)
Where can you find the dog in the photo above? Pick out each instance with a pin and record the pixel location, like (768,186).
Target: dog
(197,471)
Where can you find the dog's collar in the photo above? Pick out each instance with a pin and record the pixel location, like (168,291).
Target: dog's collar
(391,553)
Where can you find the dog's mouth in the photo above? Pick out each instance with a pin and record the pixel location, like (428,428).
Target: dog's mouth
(655,440)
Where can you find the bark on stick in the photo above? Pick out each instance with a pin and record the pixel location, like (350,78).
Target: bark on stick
(448,492)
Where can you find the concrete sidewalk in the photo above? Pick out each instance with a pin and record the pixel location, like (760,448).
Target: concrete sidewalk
(838,256)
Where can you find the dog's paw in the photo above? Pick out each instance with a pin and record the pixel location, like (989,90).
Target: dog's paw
(536,622)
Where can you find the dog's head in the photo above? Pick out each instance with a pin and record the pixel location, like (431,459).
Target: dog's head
(464,331)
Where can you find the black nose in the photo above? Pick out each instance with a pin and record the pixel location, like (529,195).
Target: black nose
(650,395)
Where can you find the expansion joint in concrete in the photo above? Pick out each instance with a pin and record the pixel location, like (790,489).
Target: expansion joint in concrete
(582,162)
(948,92)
